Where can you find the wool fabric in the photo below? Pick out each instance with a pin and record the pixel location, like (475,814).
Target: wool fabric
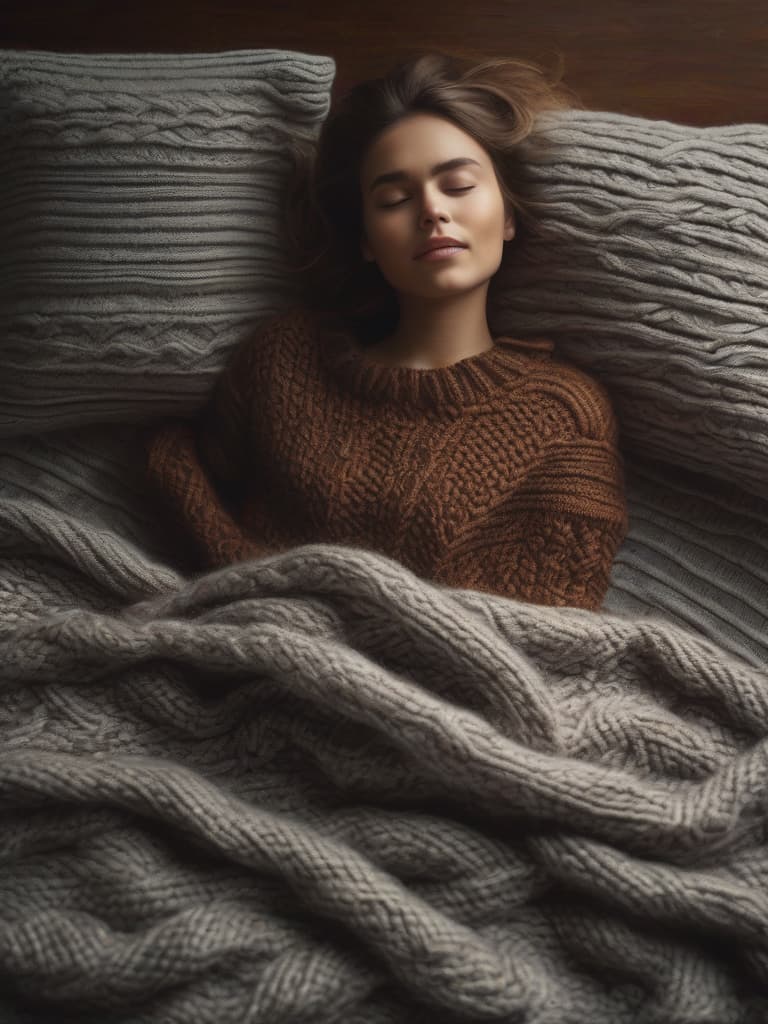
(500,472)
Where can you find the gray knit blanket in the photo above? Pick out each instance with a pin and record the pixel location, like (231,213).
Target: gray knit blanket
(317,788)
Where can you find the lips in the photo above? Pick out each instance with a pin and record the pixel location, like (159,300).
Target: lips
(440,243)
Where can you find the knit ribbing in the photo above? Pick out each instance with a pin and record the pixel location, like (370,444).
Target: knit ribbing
(468,382)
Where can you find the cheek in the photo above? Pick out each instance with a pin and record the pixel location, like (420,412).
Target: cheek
(490,213)
(390,235)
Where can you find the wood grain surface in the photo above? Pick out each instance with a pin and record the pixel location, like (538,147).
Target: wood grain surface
(697,63)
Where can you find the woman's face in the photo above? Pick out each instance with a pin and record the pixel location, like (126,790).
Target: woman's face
(464,202)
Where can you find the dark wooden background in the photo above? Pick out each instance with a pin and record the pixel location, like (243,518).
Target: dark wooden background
(697,62)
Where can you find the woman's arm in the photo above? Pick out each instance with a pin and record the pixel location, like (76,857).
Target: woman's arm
(223,429)
(200,469)
(189,499)
(554,539)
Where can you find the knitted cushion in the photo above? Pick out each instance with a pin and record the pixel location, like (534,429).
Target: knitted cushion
(139,234)
(650,270)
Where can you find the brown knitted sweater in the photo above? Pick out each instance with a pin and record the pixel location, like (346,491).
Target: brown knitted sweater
(499,473)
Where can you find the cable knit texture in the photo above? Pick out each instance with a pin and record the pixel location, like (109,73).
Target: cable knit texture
(500,472)
(316,788)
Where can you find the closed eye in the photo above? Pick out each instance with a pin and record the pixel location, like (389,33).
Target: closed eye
(389,206)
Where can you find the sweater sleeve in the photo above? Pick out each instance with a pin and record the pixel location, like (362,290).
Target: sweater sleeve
(189,499)
(561,558)
(570,516)
(553,541)
(199,469)
(223,428)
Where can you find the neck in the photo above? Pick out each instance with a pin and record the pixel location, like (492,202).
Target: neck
(429,335)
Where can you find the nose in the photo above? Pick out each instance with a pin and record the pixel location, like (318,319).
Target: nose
(431,210)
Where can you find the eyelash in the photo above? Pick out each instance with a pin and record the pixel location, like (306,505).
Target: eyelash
(390,206)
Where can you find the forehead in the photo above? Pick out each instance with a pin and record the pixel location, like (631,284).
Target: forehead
(416,143)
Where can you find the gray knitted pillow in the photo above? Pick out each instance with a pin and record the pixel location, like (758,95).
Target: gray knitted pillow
(139,233)
(650,269)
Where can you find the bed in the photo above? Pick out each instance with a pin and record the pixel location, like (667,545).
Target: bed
(315,786)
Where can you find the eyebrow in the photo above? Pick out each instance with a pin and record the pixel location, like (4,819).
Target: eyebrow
(446,165)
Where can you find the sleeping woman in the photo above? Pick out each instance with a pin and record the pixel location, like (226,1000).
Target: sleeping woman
(383,411)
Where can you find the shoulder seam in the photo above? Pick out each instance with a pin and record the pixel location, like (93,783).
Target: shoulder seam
(584,396)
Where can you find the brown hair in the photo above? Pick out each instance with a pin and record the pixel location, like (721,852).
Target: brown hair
(494,100)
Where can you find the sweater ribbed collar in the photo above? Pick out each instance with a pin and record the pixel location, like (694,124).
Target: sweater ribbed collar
(470,381)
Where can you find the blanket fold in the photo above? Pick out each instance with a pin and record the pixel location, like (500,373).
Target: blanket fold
(314,785)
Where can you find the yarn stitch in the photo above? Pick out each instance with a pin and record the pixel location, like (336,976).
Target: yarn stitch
(500,472)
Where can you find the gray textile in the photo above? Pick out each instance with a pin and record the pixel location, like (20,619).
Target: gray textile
(140,234)
(140,241)
(649,268)
(696,553)
(314,787)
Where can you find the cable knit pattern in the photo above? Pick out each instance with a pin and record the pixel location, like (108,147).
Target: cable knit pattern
(313,787)
(140,223)
(500,472)
(647,266)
